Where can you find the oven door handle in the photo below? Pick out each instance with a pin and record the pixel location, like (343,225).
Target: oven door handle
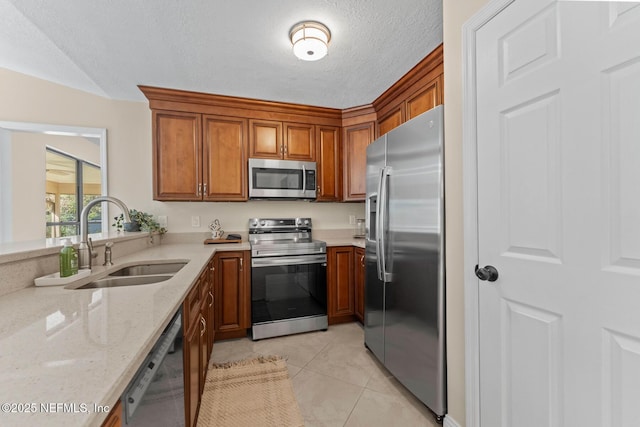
(288,260)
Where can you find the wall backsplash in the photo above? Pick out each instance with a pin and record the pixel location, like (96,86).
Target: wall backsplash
(235,216)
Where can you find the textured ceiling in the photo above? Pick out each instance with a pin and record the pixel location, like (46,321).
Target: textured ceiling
(238,48)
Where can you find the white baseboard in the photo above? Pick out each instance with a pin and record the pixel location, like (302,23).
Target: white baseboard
(450,422)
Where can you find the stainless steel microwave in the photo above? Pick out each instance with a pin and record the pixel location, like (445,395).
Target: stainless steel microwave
(281,179)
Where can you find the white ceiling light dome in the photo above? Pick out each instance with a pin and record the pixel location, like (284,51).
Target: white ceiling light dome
(310,40)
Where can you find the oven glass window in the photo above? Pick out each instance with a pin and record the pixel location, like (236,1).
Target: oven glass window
(287,292)
(277,179)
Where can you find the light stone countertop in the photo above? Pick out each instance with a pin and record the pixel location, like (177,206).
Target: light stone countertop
(340,237)
(82,347)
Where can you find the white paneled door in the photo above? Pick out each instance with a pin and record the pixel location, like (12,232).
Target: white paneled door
(558,162)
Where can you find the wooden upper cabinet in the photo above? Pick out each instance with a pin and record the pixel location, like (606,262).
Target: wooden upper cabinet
(421,89)
(425,100)
(225,146)
(198,157)
(299,142)
(177,154)
(356,138)
(282,140)
(266,139)
(392,120)
(329,166)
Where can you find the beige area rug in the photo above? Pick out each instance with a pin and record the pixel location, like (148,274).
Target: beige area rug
(253,392)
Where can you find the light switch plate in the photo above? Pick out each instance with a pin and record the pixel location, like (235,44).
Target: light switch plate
(195,221)
(162,221)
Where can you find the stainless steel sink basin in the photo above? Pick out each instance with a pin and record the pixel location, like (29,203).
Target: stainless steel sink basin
(112,282)
(147,269)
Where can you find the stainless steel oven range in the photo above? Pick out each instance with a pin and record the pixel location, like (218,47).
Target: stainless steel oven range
(288,278)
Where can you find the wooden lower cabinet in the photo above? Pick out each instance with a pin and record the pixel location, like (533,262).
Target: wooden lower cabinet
(114,419)
(359,281)
(198,313)
(232,294)
(208,309)
(340,284)
(192,374)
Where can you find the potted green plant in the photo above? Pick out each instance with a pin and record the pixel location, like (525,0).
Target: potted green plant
(140,221)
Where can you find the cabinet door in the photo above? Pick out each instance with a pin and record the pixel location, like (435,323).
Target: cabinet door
(225,147)
(359,279)
(210,304)
(192,374)
(428,98)
(203,351)
(265,139)
(329,167)
(341,284)
(392,120)
(355,141)
(232,295)
(177,156)
(114,419)
(299,142)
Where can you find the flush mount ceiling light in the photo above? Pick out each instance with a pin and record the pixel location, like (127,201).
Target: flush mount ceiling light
(310,40)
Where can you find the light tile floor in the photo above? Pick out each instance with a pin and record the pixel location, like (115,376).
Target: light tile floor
(337,381)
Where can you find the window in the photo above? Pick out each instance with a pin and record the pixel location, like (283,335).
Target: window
(71,183)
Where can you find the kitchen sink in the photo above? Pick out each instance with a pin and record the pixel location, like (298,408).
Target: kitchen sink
(113,282)
(149,269)
(144,273)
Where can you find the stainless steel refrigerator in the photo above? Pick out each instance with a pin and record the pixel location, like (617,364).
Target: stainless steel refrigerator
(404,289)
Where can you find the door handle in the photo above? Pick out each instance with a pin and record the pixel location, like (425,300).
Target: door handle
(203,323)
(488,273)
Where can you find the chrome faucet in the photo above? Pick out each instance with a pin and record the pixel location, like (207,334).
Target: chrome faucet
(85,249)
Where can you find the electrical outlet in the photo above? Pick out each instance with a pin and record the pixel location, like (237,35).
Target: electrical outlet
(195,221)
(352,219)
(162,221)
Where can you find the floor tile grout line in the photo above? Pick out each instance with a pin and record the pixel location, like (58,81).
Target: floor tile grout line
(354,406)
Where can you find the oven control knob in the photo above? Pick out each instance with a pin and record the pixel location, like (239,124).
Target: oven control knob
(306,222)
(254,224)
(263,223)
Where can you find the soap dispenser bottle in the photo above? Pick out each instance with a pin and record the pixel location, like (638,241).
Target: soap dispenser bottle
(68,259)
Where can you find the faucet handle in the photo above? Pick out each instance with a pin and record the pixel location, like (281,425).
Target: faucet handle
(108,245)
(90,245)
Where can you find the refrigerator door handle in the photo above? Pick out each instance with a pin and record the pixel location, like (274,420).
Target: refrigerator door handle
(367,219)
(383,205)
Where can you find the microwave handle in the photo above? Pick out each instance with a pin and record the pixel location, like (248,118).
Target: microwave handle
(304,178)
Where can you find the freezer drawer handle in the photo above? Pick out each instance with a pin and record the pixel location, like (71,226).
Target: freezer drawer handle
(489,273)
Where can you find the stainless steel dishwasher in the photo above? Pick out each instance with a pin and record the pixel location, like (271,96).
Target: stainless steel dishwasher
(155,397)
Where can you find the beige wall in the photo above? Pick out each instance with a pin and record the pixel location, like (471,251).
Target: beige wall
(128,125)
(455,14)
